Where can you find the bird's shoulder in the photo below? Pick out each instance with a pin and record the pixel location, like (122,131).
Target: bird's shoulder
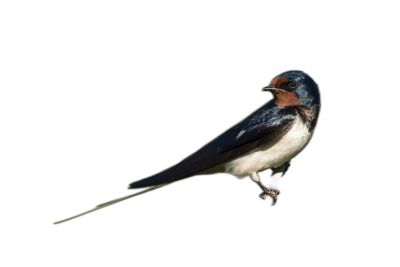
(267,123)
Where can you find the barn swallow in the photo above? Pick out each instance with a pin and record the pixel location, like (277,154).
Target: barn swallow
(267,139)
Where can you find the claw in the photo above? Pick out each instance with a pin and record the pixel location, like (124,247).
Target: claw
(263,195)
(274,202)
(277,192)
(273,193)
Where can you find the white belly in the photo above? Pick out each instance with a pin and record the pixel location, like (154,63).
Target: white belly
(261,158)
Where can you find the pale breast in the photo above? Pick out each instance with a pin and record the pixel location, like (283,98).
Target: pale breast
(261,158)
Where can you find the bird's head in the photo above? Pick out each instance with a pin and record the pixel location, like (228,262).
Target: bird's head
(294,88)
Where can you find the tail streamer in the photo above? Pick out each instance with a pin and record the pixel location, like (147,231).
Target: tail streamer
(112,202)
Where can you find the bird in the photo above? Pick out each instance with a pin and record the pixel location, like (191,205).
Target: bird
(267,139)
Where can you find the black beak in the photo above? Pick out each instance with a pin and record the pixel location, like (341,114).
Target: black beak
(269,88)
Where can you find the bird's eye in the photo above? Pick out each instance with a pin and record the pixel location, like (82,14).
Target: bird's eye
(293,85)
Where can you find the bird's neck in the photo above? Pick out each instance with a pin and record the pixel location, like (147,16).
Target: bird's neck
(282,98)
(309,114)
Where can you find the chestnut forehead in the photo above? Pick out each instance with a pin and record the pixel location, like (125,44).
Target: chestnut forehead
(278,81)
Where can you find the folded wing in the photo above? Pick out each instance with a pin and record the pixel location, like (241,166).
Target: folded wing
(264,127)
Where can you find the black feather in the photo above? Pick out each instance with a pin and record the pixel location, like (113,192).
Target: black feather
(265,126)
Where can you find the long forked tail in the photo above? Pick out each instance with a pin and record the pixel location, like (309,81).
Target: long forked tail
(112,202)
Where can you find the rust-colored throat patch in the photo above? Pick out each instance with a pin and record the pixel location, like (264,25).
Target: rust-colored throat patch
(283,98)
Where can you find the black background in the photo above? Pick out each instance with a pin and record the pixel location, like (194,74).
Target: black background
(116,107)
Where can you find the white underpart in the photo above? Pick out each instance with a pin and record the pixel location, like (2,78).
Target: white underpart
(261,158)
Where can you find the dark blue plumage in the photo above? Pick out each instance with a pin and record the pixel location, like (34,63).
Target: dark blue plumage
(307,89)
(265,121)
(260,128)
(268,138)
(264,127)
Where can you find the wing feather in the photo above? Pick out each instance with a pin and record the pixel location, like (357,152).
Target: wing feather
(263,127)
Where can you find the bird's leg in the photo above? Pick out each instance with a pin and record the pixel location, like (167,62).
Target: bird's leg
(273,193)
(278,173)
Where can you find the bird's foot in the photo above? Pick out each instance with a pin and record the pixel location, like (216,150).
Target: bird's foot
(283,169)
(273,193)
(266,192)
